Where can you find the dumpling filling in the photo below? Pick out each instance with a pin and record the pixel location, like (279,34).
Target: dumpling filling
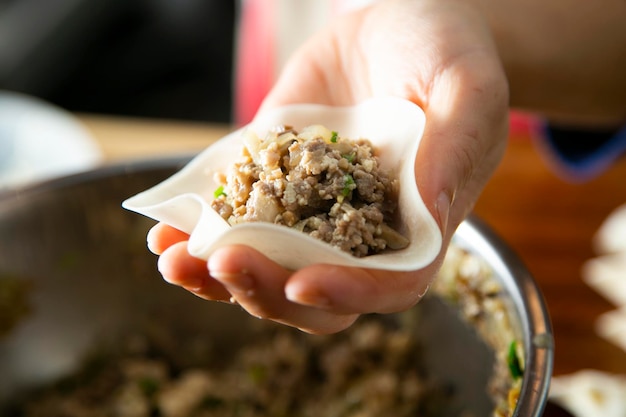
(315,181)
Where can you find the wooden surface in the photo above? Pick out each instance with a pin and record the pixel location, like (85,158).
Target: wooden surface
(548,221)
(128,138)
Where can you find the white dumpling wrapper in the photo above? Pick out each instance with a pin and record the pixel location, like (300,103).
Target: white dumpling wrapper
(606,274)
(611,237)
(395,128)
(590,393)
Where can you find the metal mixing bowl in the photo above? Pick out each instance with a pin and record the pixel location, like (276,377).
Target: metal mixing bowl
(89,278)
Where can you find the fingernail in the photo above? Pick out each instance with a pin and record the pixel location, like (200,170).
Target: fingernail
(442,206)
(307,298)
(423,293)
(238,281)
(150,242)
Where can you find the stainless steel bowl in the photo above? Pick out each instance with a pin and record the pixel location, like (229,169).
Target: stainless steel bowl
(89,279)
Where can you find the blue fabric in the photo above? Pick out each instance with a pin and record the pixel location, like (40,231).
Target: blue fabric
(582,153)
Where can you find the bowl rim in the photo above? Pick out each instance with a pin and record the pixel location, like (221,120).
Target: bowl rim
(102,171)
(529,303)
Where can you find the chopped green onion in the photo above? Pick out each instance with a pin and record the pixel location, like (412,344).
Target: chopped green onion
(349,157)
(348,182)
(148,386)
(219,192)
(257,373)
(211,403)
(334,136)
(513,361)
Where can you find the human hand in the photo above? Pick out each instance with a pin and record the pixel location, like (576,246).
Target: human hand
(436,53)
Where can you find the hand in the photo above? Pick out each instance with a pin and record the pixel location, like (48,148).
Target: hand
(440,55)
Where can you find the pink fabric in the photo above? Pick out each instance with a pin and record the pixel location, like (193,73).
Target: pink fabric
(256,55)
(255,70)
(523,124)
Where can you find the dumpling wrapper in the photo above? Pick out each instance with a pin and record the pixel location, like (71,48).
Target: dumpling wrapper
(611,326)
(611,236)
(590,393)
(395,128)
(606,274)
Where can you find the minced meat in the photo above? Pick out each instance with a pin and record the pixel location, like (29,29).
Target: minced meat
(368,371)
(316,181)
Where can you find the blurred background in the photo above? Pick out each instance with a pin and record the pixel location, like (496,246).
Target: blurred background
(146,58)
(84,82)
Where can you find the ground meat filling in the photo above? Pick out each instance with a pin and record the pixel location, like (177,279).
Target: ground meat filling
(315,181)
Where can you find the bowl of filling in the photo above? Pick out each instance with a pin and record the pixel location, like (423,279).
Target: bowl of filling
(89,328)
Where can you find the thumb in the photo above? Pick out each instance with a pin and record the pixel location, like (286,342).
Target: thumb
(464,138)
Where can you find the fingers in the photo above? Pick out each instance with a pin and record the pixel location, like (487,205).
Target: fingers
(179,268)
(344,290)
(258,285)
(319,299)
(243,275)
(162,236)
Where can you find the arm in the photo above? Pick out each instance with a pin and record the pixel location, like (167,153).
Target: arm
(564,59)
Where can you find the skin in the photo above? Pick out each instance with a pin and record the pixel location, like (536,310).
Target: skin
(440,54)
